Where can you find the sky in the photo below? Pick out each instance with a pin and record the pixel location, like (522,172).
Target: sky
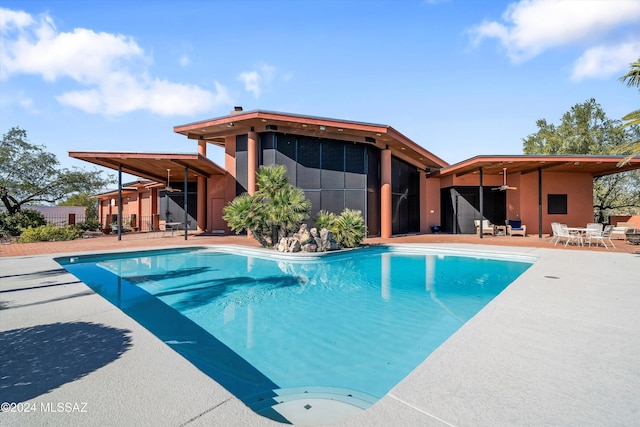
(459,77)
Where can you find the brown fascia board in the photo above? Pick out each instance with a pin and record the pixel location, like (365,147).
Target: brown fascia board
(215,129)
(281,117)
(129,154)
(543,161)
(403,140)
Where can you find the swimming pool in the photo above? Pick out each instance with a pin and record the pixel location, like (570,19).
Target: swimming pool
(295,337)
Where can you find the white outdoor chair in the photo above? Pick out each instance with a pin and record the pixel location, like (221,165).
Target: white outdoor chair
(600,236)
(595,226)
(487,227)
(564,234)
(555,229)
(516,228)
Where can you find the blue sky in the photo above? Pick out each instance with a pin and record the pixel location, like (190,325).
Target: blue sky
(460,78)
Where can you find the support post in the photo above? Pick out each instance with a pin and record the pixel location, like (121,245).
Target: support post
(202,192)
(540,203)
(120,202)
(386,225)
(186,201)
(481,205)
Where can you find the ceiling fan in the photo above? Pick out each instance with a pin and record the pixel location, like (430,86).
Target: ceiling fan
(168,187)
(504,185)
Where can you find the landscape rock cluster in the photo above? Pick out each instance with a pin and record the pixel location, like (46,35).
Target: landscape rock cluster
(308,241)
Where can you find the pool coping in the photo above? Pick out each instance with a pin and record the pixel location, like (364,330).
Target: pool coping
(558,346)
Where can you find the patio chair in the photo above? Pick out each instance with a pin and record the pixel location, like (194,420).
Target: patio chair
(516,228)
(594,226)
(564,234)
(620,230)
(487,227)
(600,236)
(555,230)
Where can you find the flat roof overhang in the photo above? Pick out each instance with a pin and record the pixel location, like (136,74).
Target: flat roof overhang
(127,189)
(595,165)
(382,136)
(153,166)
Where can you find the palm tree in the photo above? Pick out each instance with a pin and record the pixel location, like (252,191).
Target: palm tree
(276,210)
(632,79)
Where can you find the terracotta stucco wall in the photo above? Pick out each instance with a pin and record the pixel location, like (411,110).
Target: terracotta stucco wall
(615,219)
(216,200)
(578,188)
(230,166)
(430,199)
(474,180)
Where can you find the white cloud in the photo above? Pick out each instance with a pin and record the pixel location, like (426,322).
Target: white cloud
(11,19)
(114,68)
(604,61)
(184,60)
(255,80)
(157,96)
(251,80)
(530,27)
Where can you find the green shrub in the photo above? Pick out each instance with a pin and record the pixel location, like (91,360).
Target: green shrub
(325,219)
(89,225)
(49,233)
(13,225)
(349,229)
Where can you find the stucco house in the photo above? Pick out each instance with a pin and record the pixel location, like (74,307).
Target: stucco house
(399,186)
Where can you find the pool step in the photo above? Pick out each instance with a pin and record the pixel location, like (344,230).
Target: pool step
(310,405)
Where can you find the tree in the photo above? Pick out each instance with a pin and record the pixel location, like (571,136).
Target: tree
(585,129)
(83,199)
(276,210)
(632,78)
(29,174)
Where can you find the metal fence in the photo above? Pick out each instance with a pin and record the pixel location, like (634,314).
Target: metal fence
(62,220)
(109,222)
(131,222)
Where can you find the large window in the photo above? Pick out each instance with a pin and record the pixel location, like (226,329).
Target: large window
(405,196)
(242,180)
(308,165)
(333,174)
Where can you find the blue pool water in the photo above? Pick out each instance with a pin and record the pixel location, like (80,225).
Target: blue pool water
(346,327)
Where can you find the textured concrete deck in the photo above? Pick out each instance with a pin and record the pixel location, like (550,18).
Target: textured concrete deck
(558,347)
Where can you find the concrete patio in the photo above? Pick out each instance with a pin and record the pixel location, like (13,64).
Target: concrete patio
(558,347)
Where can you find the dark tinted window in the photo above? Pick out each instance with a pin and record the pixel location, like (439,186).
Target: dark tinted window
(308,163)
(286,155)
(354,166)
(557,204)
(241,164)
(332,165)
